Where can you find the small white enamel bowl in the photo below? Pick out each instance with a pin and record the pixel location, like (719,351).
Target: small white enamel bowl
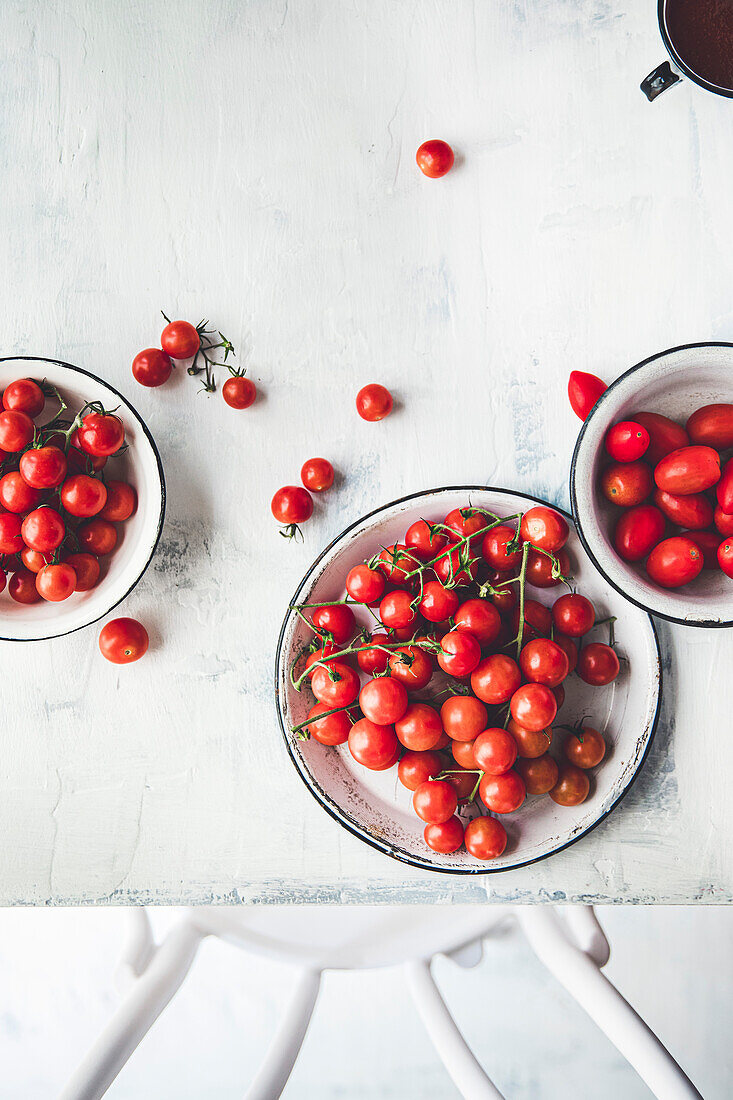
(674,383)
(140,465)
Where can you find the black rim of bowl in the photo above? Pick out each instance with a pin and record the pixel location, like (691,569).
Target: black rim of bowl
(680,62)
(706,624)
(151,441)
(335,811)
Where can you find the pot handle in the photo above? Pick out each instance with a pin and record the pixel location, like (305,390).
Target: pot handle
(661,78)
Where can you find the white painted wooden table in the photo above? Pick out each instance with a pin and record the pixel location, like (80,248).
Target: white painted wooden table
(254,163)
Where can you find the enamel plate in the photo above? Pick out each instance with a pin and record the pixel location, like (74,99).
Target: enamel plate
(374,806)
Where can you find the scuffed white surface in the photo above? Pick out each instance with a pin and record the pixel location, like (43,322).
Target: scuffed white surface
(254,163)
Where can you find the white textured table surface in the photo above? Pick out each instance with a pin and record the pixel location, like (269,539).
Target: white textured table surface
(254,163)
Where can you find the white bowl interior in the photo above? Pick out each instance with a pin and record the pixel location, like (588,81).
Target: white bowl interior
(137,536)
(374,805)
(674,383)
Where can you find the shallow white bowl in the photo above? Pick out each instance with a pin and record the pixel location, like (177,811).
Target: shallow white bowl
(140,466)
(674,383)
(373,805)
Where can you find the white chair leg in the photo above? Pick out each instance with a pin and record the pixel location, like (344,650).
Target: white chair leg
(586,930)
(468,1075)
(138,950)
(580,975)
(136,1015)
(285,1047)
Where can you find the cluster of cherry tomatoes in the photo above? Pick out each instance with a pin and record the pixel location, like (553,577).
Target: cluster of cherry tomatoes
(180,340)
(58,510)
(460,678)
(675,488)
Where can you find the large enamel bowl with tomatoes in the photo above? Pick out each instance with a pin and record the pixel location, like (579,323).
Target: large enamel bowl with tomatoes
(140,466)
(673,383)
(372,805)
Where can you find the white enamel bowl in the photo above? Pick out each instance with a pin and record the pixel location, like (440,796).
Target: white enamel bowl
(373,805)
(674,383)
(140,466)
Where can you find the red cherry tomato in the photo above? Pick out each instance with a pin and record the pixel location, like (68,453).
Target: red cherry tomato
(537,620)
(365,585)
(419,727)
(43,467)
(463,753)
(434,158)
(583,392)
(180,340)
(335,685)
(572,786)
(502,794)
(412,667)
(16,430)
(724,490)
(33,560)
(540,775)
(97,536)
(374,402)
(627,441)
(688,470)
(664,435)
(317,474)
(374,746)
(485,838)
(533,706)
(82,495)
(463,717)
(459,653)
(121,502)
(11,539)
(544,662)
(239,392)
(674,562)
(496,679)
(383,701)
(80,462)
(495,548)
(333,729)
(373,659)
(56,582)
(336,620)
(540,568)
(418,767)
(435,801)
(626,483)
(424,540)
(466,523)
(545,528)
(396,562)
(292,505)
(22,587)
(24,396)
(445,837)
(87,570)
(43,529)
(725,557)
(101,434)
(637,531)
(597,664)
(570,649)
(16,495)
(123,641)
(712,426)
(479,618)
(585,749)
(396,610)
(151,367)
(573,615)
(438,603)
(450,568)
(530,743)
(495,751)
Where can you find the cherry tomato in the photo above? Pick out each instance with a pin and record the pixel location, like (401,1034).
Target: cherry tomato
(365,585)
(583,392)
(533,706)
(22,587)
(664,435)
(570,649)
(453,568)
(712,426)
(396,562)
(434,158)
(445,837)
(485,838)
(82,495)
(3,579)
(459,653)
(43,529)
(438,603)
(540,568)
(239,392)
(56,582)
(11,539)
(539,775)
(530,743)
(16,495)
(573,615)
(424,540)
(151,367)
(572,786)
(324,655)
(336,620)
(626,483)
(545,528)
(707,543)
(479,618)
(466,523)
(418,767)
(435,801)
(16,430)
(598,664)
(627,441)
(371,745)
(495,548)
(373,659)
(463,782)
(101,434)
(723,521)
(463,717)
(544,662)
(80,462)
(495,751)
(123,641)
(585,749)
(121,502)
(43,467)
(496,679)
(335,685)
(724,490)
(637,531)
(411,666)
(24,396)
(504,598)
(725,557)
(537,620)
(87,570)
(374,402)
(96,536)
(419,727)
(32,559)
(292,505)
(674,562)
(502,794)
(396,610)
(180,340)
(317,474)
(333,729)
(463,753)
(384,700)
(688,470)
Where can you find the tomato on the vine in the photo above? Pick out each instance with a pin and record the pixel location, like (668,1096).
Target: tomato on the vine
(435,801)
(123,641)
(479,618)
(485,838)
(545,528)
(445,836)
(374,402)
(598,664)
(573,615)
(82,495)
(151,367)
(24,396)
(425,541)
(292,505)
(495,751)
(383,700)
(502,794)
(498,548)
(418,767)
(328,729)
(180,340)
(533,706)
(459,653)
(586,748)
(456,567)
(411,666)
(97,536)
(572,786)
(336,620)
(317,474)
(365,585)
(239,392)
(530,743)
(43,529)
(541,568)
(496,679)
(466,523)
(16,430)
(43,467)
(22,587)
(56,582)
(11,539)
(373,659)
(396,562)
(419,727)
(438,603)
(396,610)
(336,685)
(539,774)
(101,434)
(543,662)
(121,502)
(463,717)
(16,495)
(87,570)
(373,745)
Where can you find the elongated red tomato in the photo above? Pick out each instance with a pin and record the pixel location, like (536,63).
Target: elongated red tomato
(724,490)
(712,425)
(665,435)
(694,510)
(674,562)
(725,557)
(723,521)
(637,531)
(583,391)
(708,542)
(688,470)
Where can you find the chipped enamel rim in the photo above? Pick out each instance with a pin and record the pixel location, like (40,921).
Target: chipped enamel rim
(369,831)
